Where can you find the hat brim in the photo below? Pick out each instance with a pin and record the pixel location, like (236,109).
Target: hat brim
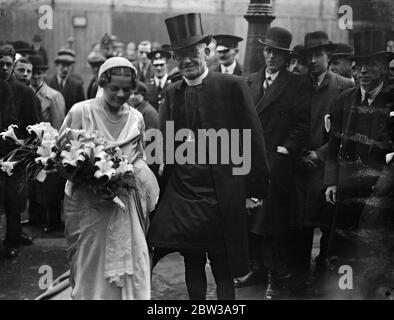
(183,43)
(275,47)
(222,48)
(346,56)
(65,58)
(26,51)
(389,55)
(329,46)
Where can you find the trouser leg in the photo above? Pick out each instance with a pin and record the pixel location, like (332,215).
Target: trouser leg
(195,276)
(222,274)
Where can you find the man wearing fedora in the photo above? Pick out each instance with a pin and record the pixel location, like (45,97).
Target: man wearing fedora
(341,62)
(202,212)
(313,211)
(157,84)
(282,101)
(359,149)
(70,87)
(227,49)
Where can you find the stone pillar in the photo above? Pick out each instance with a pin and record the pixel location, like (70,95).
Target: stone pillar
(259,17)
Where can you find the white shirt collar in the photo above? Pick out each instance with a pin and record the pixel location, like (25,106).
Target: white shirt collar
(161,81)
(321,77)
(197,81)
(273,76)
(230,68)
(372,94)
(60,80)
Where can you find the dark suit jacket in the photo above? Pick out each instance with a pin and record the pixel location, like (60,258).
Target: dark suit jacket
(237,70)
(8,114)
(140,75)
(153,95)
(226,104)
(72,92)
(284,113)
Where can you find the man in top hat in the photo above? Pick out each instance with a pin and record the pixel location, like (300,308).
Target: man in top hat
(39,49)
(359,167)
(202,212)
(341,62)
(143,63)
(95,60)
(314,211)
(159,82)
(227,48)
(45,198)
(70,87)
(282,102)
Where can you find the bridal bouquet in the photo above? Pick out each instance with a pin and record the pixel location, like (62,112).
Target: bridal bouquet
(85,159)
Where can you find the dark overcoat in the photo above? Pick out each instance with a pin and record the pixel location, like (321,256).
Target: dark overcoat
(237,70)
(153,95)
(284,113)
(225,104)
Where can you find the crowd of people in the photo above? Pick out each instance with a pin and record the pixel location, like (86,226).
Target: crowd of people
(321,116)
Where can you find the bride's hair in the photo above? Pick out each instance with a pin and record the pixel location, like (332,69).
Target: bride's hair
(105,78)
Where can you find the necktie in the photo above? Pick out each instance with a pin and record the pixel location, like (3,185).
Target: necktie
(365,102)
(226,71)
(267,83)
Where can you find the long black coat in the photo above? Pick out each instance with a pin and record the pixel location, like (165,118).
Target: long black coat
(7,114)
(226,104)
(284,113)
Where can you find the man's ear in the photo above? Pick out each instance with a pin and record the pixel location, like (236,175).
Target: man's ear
(207,52)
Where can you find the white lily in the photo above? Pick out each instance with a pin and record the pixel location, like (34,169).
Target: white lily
(104,169)
(10,133)
(45,152)
(124,167)
(8,166)
(74,155)
(42,175)
(38,129)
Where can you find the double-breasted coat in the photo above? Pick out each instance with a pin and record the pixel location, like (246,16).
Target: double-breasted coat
(155,95)
(284,113)
(224,103)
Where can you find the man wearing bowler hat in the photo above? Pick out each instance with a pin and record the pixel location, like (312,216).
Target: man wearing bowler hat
(70,87)
(282,102)
(202,212)
(227,48)
(313,211)
(341,62)
(359,167)
(39,49)
(159,82)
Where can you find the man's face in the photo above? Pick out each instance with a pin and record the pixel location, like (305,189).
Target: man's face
(107,50)
(390,45)
(342,67)
(23,72)
(6,63)
(227,57)
(317,61)
(275,59)
(136,98)
(371,72)
(37,78)
(297,67)
(63,69)
(143,51)
(192,60)
(159,69)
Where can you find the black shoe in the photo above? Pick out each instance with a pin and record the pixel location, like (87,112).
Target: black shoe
(275,288)
(26,240)
(251,278)
(11,252)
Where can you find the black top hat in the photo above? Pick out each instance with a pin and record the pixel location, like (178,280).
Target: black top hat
(186,30)
(23,47)
(226,41)
(316,40)
(343,50)
(38,63)
(159,55)
(371,43)
(278,38)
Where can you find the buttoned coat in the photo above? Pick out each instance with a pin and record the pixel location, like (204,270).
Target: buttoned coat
(153,95)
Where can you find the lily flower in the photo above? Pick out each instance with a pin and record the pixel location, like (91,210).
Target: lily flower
(38,129)
(104,169)
(45,152)
(74,155)
(124,167)
(8,166)
(10,133)
(42,175)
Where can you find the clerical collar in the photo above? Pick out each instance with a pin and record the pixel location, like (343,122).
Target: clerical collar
(161,82)
(372,94)
(272,76)
(197,81)
(230,69)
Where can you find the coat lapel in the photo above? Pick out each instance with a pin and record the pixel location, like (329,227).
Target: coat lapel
(273,92)
(255,84)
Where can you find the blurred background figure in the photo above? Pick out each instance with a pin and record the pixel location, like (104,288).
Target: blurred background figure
(157,84)
(95,59)
(70,43)
(142,64)
(298,63)
(213,59)
(118,49)
(23,70)
(227,48)
(341,60)
(390,46)
(106,46)
(23,48)
(70,87)
(131,54)
(156,46)
(39,49)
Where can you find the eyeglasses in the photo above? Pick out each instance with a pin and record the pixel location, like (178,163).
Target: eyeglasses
(191,53)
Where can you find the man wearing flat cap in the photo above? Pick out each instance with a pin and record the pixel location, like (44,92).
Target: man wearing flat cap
(341,60)
(95,60)
(282,102)
(313,211)
(70,87)
(202,212)
(359,170)
(227,48)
